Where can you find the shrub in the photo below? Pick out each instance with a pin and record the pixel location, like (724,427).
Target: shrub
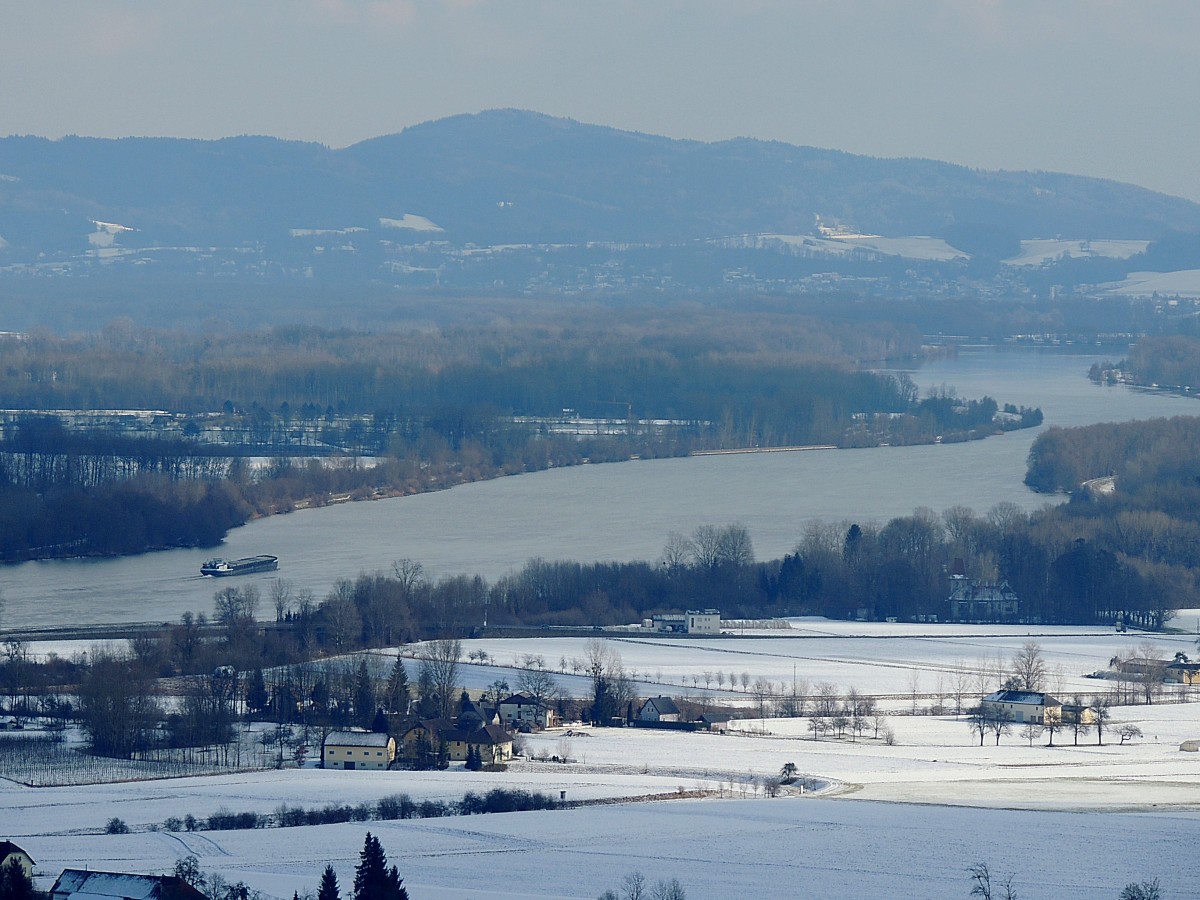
(224,820)
(392,807)
(116,826)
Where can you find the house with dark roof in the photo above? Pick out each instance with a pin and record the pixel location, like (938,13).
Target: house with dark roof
(972,600)
(78,884)
(523,709)
(1022,706)
(357,750)
(659,709)
(10,852)
(494,742)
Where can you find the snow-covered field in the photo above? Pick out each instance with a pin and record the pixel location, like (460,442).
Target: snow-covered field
(1034,253)
(1184,283)
(911,247)
(875,658)
(906,819)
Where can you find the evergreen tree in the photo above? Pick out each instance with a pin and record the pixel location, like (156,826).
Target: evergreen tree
(14,883)
(373,880)
(380,724)
(364,694)
(329,889)
(443,754)
(398,689)
(256,692)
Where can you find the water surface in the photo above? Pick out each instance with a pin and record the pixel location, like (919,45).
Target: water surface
(617,511)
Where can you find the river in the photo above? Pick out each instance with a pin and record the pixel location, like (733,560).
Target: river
(619,511)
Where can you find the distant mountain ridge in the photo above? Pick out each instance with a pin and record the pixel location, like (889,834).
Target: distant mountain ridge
(509,176)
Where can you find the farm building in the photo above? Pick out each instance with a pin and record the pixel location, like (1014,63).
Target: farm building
(357,750)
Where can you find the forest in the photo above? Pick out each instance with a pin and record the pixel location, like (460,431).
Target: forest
(433,406)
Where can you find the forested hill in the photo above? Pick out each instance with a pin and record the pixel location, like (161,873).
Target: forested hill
(508,176)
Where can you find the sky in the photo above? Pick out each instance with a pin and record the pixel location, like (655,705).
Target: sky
(1091,87)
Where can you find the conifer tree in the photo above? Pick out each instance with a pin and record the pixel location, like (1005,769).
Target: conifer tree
(329,889)
(373,880)
(14,883)
(398,690)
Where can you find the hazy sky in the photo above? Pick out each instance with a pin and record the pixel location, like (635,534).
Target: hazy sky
(1084,86)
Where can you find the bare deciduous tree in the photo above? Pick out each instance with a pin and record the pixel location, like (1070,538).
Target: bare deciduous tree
(1029,667)
(439,666)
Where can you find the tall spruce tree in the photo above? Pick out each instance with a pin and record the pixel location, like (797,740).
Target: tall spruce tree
(14,883)
(329,889)
(373,880)
(398,690)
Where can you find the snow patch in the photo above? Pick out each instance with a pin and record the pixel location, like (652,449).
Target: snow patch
(106,233)
(411,222)
(1037,252)
(1184,283)
(317,232)
(920,247)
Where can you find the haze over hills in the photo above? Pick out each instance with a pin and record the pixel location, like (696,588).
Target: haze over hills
(513,202)
(508,176)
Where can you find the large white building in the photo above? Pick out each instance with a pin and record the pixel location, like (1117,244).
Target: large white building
(694,621)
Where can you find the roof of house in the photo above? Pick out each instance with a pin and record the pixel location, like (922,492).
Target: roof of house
(490,734)
(356,739)
(520,698)
(982,590)
(445,730)
(664,705)
(81,883)
(1032,698)
(7,848)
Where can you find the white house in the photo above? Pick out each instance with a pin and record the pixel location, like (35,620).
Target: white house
(659,709)
(357,750)
(694,621)
(1022,706)
(522,708)
(10,852)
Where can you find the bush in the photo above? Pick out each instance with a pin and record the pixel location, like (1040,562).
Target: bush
(116,826)
(471,804)
(393,807)
(433,809)
(224,820)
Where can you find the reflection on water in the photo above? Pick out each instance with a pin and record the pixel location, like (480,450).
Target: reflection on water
(606,512)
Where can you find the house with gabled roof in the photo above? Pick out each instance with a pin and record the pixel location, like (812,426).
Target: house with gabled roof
(358,750)
(10,852)
(972,600)
(523,709)
(80,884)
(426,738)
(659,709)
(1022,706)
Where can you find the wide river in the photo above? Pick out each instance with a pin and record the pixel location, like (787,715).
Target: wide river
(619,511)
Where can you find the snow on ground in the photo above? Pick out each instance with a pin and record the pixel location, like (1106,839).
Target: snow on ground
(1034,253)
(1184,283)
(718,849)
(876,658)
(411,222)
(1002,805)
(913,247)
